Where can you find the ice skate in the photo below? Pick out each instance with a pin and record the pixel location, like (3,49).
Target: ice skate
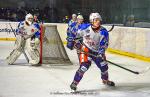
(73,87)
(108,83)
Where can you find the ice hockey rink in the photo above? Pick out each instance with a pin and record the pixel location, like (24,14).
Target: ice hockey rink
(23,80)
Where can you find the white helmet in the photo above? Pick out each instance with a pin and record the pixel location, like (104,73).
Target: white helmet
(74,15)
(29,18)
(80,17)
(94,16)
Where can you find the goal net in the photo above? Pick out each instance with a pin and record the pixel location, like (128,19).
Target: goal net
(52,50)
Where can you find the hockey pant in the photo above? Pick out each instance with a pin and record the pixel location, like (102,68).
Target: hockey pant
(32,49)
(85,63)
(19,46)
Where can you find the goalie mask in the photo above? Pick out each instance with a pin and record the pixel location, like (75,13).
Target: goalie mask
(29,18)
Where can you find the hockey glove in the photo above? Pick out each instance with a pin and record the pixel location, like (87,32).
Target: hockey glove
(70,43)
(101,52)
(77,45)
(37,34)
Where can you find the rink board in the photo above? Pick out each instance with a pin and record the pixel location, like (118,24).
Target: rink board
(129,41)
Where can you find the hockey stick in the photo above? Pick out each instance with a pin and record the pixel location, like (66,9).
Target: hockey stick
(135,72)
(12,30)
(21,47)
(111,28)
(132,71)
(25,54)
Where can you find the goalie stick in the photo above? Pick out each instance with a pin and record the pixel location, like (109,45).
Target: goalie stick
(21,47)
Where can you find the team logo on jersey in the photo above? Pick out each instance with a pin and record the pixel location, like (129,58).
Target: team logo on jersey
(32,30)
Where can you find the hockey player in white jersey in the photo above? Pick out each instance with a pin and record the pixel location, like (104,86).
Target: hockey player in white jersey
(25,31)
(95,42)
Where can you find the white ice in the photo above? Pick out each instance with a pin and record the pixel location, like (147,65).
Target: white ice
(23,80)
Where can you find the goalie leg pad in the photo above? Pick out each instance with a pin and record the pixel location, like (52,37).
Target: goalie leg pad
(20,43)
(13,56)
(33,52)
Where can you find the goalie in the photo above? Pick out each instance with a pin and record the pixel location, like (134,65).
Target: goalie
(27,36)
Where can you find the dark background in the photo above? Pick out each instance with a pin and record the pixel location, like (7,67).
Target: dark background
(112,11)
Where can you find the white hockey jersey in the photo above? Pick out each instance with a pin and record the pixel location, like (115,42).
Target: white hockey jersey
(25,30)
(95,41)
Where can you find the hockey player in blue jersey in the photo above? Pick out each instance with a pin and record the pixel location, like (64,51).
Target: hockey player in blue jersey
(95,43)
(74,18)
(71,23)
(72,42)
(72,32)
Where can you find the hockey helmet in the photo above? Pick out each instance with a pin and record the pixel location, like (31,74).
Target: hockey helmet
(94,16)
(80,17)
(74,15)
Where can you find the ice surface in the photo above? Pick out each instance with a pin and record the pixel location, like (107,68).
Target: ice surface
(23,80)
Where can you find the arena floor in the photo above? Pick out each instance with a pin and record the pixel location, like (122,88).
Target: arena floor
(23,80)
